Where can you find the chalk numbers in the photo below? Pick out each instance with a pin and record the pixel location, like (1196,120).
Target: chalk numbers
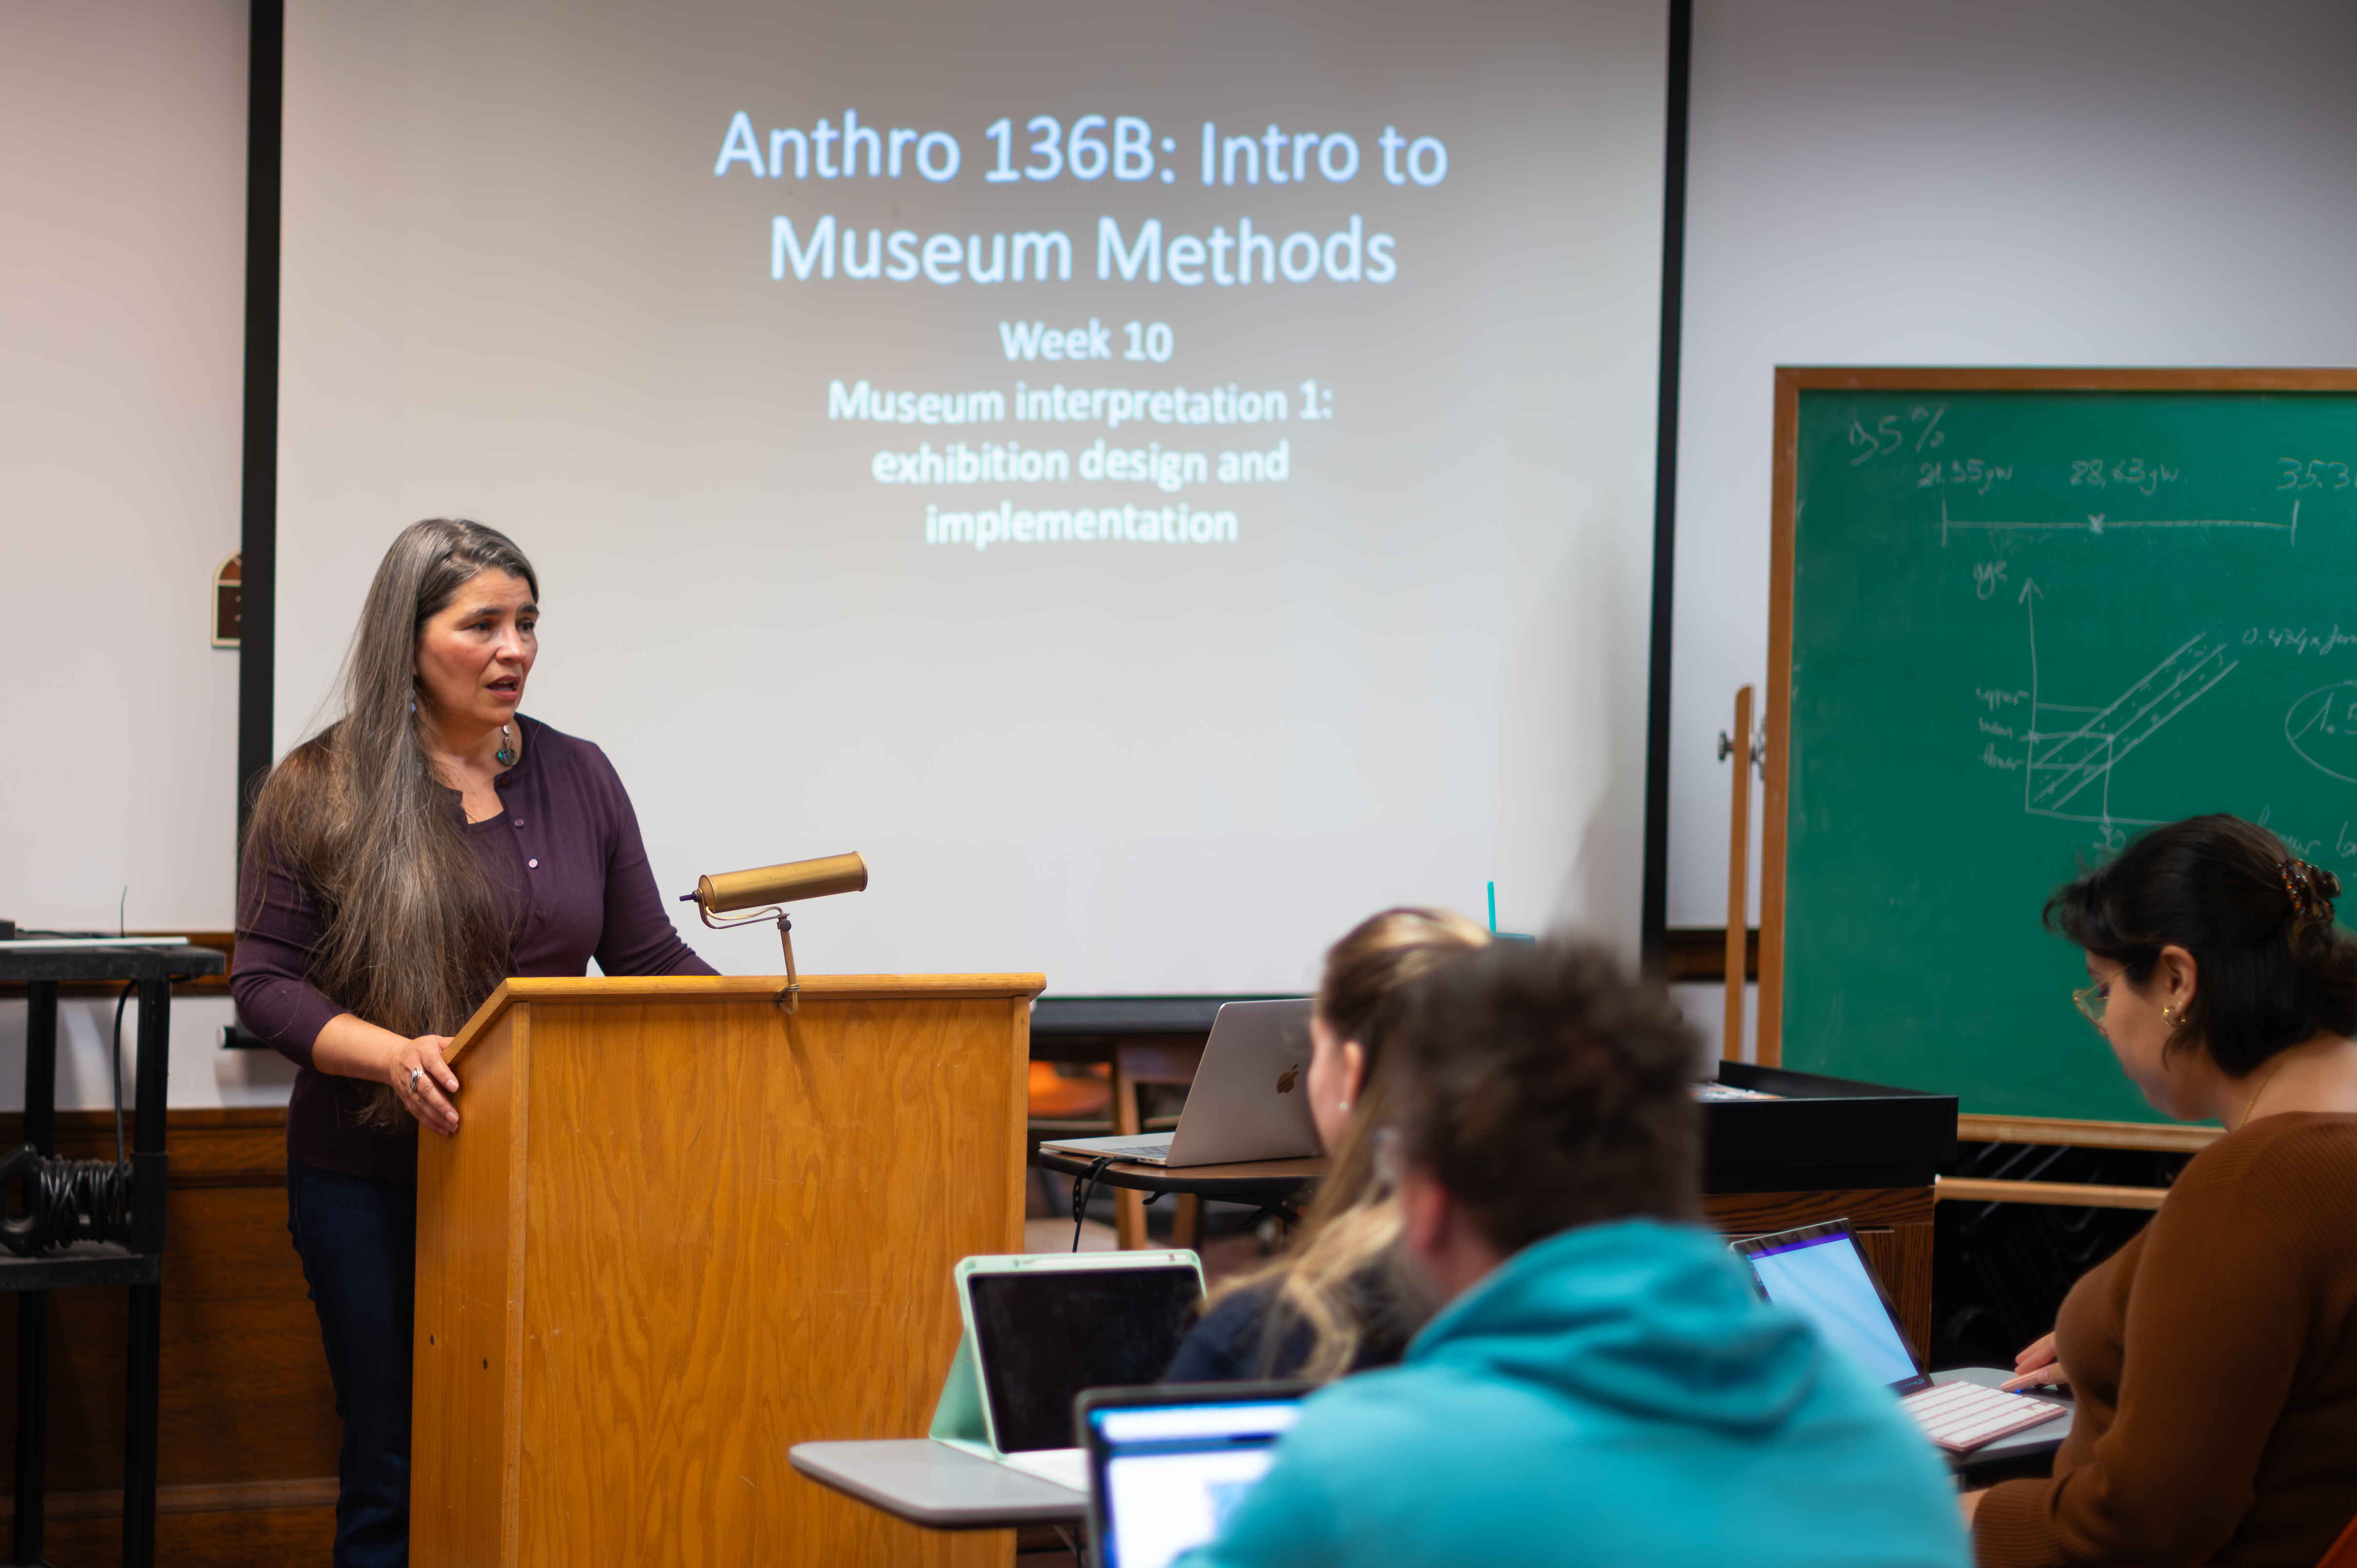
(1974,474)
(2315,474)
(2131,473)
(1892,431)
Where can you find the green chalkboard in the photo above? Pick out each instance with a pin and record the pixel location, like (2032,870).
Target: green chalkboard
(2023,622)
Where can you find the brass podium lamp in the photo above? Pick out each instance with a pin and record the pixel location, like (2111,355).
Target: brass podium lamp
(763,891)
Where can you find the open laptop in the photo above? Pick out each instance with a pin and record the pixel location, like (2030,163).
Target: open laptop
(1168,1466)
(1819,1272)
(1041,1327)
(1250,1099)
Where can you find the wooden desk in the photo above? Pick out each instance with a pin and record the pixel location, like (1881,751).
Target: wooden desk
(1831,1149)
(1249,1181)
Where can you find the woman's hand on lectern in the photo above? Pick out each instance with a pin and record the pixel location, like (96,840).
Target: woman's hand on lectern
(2039,1364)
(424,1080)
(351,1047)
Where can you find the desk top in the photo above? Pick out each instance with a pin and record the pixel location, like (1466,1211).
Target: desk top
(107,963)
(936,1486)
(1247,1179)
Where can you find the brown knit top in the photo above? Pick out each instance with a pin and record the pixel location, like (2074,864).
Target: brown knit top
(2214,1358)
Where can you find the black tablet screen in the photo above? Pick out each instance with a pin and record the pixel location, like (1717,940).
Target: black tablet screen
(1046,1336)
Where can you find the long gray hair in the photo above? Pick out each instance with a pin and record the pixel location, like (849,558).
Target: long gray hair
(413,941)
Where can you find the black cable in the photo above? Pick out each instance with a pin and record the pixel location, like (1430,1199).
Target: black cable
(71,1200)
(65,1201)
(1084,1188)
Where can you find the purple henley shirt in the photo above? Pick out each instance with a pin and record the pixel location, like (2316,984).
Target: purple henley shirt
(566,865)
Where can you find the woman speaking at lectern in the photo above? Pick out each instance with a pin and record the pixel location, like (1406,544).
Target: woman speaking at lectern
(399,865)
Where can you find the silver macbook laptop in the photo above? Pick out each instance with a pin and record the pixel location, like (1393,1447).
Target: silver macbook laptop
(1250,1099)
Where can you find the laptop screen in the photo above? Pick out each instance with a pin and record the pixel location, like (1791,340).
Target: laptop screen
(1824,1279)
(1173,1474)
(1045,1336)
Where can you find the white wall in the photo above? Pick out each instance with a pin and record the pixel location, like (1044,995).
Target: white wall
(203,1076)
(122,369)
(2106,182)
(1872,183)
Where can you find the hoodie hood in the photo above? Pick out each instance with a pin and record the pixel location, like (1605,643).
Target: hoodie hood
(1654,1319)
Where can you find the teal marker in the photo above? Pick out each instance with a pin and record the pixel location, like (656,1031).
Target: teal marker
(1493,908)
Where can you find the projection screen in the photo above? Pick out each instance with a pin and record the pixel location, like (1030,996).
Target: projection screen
(1161,482)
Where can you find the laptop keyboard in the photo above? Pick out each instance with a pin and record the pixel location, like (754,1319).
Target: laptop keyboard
(1960,1417)
(1132,1151)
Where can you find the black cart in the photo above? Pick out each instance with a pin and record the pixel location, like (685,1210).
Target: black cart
(139,1264)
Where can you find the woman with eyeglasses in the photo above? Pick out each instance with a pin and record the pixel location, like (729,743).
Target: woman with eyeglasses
(2214,1356)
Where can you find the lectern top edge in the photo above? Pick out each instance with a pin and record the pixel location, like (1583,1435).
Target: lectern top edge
(578,989)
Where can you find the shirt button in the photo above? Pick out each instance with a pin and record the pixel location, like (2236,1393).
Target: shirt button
(532,864)
(519,821)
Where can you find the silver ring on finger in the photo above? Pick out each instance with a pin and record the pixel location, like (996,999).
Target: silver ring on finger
(414,1074)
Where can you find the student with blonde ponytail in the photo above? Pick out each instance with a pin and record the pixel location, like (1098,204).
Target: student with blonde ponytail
(399,865)
(1332,1304)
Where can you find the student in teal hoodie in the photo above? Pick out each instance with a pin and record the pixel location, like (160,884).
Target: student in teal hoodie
(1602,1387)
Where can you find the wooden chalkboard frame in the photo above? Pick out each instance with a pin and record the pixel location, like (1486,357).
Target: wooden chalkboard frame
(1792,381)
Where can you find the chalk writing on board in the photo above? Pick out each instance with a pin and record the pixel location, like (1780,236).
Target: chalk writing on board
(2323,727)
(1986,576)
(2300,639)
(2134,473)
(2315,474)
(2071,757)
(2097,522)
(1891,432)
(1975,474)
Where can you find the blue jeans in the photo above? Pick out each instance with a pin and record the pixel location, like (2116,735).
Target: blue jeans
(357,1240)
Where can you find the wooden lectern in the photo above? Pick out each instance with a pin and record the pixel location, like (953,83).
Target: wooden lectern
(679,1230)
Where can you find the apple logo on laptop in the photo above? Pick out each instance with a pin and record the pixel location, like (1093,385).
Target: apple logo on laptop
(1284,1079)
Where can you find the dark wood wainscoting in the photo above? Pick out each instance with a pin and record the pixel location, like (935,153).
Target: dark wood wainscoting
(246,1452)
(1894,1227)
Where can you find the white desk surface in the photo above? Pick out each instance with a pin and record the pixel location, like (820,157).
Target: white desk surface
(936,1486)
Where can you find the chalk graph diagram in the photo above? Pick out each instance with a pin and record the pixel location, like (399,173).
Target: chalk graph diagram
(2099,523)
(2073,749)
(2323,727)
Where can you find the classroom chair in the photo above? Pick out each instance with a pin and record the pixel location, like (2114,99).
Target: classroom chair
(1135,1064)
(1060,1103)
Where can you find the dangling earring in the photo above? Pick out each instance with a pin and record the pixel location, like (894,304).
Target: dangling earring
(506,753)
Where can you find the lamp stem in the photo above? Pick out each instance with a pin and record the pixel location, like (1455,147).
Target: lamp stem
(791,994)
